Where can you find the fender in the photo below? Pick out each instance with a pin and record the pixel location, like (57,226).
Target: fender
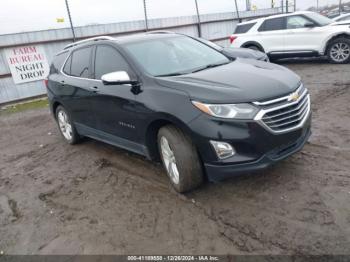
(332,36)
(253,43)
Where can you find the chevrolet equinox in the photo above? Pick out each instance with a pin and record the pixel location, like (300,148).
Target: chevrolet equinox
(175,99)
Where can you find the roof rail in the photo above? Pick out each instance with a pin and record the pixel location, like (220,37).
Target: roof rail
(89,40)
(160,32)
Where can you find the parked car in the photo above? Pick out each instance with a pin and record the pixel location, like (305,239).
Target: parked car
(237,52)
(300,34)
(342,18)
(174,99)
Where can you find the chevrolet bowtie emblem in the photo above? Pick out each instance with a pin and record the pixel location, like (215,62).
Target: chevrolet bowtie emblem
(293,97)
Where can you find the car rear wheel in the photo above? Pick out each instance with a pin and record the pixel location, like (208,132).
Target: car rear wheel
(180,159)
(66,126)
(339,51)
(254,47)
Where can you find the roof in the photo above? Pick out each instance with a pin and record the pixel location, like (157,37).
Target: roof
(122,39)
(275,16)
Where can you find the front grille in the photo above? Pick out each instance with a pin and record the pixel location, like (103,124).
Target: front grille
(286,113)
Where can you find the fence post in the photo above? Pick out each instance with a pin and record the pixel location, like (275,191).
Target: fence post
(145,12)
(198,19)
(70,20)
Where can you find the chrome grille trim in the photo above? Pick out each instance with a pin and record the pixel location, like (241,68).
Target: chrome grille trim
(266,103)
(286,116)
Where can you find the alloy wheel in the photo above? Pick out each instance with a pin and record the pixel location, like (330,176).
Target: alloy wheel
(169,160)
(65,125)
(340,52)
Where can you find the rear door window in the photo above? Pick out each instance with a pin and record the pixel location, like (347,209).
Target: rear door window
(67,66)
(80,63)
(242,29)
(273,24)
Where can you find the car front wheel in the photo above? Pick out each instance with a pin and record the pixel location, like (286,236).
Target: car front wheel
(339,51)
(180,159)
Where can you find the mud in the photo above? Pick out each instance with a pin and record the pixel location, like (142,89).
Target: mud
(93,198)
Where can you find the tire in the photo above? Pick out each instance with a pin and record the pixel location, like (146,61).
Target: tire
(338,51)
(66,127)
(254,47)
(185,157)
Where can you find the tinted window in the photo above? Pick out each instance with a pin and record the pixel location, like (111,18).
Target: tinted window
(80,63)
(109,60)
(294,22)
(67,66)
(273,24)
(57,63)
(241,29)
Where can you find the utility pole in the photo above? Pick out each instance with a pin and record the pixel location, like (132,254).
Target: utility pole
(317,7)
(198,20)
(237,12)
(287,6)
(145,12)
(70,20)
(340,7)
(282,6)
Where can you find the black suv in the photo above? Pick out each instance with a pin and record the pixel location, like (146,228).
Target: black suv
(173,98)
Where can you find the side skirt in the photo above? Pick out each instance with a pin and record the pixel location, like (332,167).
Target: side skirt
(289,54)
(112,140)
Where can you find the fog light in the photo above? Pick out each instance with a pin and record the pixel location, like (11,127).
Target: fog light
(223,150)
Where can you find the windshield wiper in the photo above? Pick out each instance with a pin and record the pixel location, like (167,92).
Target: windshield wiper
(210,66)
(171,74)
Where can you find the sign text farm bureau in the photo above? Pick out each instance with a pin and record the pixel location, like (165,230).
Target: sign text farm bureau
(27,63)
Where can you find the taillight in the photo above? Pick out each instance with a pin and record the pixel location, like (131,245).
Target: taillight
(233,38)
(46,82)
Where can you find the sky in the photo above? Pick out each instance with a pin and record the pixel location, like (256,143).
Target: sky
(23,15)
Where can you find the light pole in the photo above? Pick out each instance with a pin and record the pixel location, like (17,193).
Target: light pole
(70,20)
(237,12)
(198,19)
(145,12)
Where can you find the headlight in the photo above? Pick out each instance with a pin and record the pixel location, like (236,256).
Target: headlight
(236,111)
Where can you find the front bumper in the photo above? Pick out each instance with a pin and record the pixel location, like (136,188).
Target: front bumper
(219,172)
(256,148)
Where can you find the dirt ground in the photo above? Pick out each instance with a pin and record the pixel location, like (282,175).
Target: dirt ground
(93,198)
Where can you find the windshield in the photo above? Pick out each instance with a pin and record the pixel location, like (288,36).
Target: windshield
(174,55)
(320,19)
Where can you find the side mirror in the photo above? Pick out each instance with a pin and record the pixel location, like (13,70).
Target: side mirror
(117,78)
(309,25)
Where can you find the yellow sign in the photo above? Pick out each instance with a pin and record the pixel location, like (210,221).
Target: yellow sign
(60,20)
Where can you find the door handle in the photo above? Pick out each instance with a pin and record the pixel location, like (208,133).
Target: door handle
(93,88)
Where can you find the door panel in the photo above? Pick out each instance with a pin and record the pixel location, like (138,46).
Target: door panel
(115,106)
(301,38)
(271,34)
(75,91)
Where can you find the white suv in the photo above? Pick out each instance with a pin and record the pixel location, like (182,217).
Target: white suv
(297,34)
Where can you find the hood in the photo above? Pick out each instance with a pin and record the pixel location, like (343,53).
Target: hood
(244,53)
(342,23)
(243,80)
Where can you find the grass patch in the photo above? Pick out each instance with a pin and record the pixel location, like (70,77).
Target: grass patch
(24,106)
